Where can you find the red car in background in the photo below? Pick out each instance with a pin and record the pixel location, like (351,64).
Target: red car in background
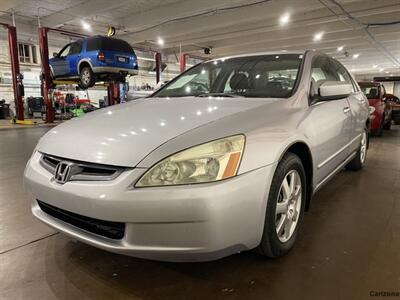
(381,109)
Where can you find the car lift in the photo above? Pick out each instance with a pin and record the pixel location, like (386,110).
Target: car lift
(17,77)
(47,84)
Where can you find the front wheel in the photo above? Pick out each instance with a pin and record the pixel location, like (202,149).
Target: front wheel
(285,207)
(358,161)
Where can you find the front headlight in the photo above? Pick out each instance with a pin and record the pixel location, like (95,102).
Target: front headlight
(208,162)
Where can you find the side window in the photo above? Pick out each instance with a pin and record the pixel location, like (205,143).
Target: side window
(321,70)
(383,90)
(65,51)
(75,48)
(93,44)
(343,75)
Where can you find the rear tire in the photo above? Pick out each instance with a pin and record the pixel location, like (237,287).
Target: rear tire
(86,78)
(359,160)
(285,207)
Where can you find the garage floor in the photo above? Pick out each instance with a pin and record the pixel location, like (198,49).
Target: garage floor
(349,245)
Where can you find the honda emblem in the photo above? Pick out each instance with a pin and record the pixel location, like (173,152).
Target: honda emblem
(63,172)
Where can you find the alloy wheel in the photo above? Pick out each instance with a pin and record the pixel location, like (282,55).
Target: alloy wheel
(288,206)
(86,77)
(363,148)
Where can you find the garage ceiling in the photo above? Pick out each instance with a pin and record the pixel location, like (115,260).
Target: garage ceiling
(234,26)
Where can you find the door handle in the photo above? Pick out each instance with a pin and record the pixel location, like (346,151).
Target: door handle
(346,109)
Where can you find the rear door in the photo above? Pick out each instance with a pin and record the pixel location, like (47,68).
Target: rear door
(118,53)
(329,121)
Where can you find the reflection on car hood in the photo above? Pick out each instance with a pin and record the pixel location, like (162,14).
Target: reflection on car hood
(124,134)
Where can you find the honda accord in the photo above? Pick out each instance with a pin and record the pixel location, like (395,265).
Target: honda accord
(224,158)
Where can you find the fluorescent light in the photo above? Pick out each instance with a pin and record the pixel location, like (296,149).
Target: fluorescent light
(387,72)
(340,48)
(355,56)
(318,36)
(145,58)
(86,25)
(284,19)
(375,66)
(381,69)
(160,41)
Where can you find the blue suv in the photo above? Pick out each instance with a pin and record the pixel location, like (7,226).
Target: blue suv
(94,59)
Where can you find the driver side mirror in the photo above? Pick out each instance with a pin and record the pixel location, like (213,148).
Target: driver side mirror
(55,54)
(333,90)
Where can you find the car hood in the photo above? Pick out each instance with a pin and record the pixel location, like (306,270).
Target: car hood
(124,134)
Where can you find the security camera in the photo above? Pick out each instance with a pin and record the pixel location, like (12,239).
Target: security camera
(207,50)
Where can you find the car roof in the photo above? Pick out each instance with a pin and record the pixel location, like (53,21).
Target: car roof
(281,52)
(102,37)
(369,83)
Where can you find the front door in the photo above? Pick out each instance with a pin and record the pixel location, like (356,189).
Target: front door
(60,63)
(329,125)
(74,56)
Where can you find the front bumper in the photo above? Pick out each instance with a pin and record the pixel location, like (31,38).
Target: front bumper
(376,120)
(180,223)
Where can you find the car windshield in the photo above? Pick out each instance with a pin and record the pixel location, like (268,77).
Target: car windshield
(371,91)
(261,76)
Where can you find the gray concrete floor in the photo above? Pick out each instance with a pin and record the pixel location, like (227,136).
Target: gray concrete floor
(348,246)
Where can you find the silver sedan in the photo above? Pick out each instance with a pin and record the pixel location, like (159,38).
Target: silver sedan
(224,158)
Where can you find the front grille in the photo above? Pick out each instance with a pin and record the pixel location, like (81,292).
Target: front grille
(83,171)
(111,230)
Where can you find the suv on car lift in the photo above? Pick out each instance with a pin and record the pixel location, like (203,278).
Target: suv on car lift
(381,109)
(94,59)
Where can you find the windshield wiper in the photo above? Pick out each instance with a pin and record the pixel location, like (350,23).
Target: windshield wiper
(217,95)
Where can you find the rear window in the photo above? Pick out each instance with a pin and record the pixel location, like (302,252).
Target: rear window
(371,91)
(108,44)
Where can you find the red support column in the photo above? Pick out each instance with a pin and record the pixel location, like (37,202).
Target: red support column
(113,93)
(16,75)
(158,66)
(182,62)
(46,77)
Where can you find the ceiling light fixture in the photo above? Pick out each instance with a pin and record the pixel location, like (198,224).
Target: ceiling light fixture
(381,69)
(284,19)
(160,41)
(318,36)
(355,56)
(375,66)
(340,48)
(86,25)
